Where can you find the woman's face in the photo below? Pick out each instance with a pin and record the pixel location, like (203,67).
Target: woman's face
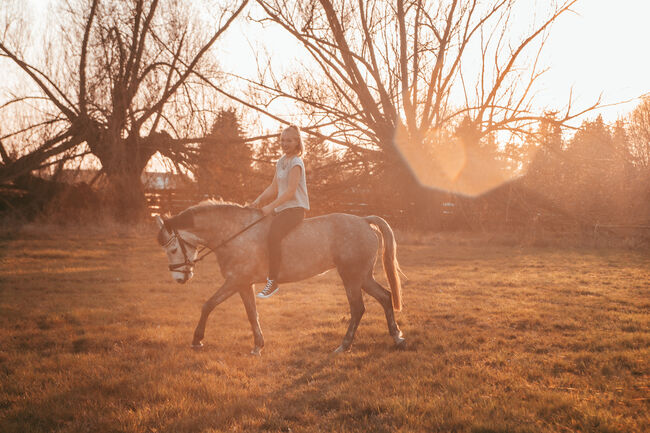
(289,142)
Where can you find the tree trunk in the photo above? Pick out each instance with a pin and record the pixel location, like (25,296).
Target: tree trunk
(125,199)
(123,161)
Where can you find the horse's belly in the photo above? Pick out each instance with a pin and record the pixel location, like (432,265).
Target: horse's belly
(301,263)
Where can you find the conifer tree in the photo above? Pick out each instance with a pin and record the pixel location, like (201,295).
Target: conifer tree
(224,165)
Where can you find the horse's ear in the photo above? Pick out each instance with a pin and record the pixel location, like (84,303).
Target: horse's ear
(160,222)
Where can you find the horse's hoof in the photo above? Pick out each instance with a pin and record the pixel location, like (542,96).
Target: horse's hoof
(342,349)
(198,346)
(257,351)
(400,344)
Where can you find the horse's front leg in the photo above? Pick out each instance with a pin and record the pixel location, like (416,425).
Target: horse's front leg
(224,292)
(248,297)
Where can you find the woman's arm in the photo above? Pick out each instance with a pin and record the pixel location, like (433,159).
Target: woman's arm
(294,179)
(268,194)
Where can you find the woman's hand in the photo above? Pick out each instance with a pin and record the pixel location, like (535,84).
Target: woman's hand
(267,210)
(255,204)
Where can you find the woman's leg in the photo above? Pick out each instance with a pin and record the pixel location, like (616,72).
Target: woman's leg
(281,225)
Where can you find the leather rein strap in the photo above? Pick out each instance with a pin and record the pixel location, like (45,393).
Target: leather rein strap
(189,263)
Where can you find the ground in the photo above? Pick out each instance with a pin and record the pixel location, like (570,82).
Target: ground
(95,336)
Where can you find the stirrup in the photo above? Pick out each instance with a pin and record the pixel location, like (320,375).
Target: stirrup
(269,290)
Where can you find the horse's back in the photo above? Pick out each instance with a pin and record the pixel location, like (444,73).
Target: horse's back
(327,241)
(333,229)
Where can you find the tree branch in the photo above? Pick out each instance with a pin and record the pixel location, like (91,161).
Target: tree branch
(82,60)
(159,105)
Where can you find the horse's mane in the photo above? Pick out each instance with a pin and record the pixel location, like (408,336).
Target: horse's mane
(212,203)
(185,218)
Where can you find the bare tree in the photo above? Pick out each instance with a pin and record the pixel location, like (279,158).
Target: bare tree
(402,79)
(121,87)
(639,134)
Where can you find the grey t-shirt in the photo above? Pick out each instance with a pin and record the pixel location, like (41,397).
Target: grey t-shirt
(282,169)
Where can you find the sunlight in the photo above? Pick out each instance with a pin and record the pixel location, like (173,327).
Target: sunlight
(332,215)
(445,162)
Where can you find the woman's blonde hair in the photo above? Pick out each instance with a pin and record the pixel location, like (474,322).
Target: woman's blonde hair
(293,129)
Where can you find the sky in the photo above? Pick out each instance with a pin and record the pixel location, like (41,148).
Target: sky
(601,48)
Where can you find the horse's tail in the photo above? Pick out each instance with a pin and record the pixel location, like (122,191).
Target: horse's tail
(389,259)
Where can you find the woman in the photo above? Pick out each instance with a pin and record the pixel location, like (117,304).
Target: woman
(290,201)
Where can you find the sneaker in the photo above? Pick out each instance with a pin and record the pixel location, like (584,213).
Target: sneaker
(269,290)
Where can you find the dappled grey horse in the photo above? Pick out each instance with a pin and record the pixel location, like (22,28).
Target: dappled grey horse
(346,242)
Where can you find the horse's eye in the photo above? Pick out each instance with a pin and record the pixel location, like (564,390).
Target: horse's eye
(174,250)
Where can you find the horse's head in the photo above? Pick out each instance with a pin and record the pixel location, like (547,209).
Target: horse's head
(181,247)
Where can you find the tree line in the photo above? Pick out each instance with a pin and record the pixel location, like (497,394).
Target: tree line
(598,175)
(377,92)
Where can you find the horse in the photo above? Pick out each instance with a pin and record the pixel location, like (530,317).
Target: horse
(237,235)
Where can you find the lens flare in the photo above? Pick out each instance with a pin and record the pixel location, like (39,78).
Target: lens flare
(445,161)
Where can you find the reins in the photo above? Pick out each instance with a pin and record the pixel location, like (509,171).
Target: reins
(188,262)
(239,232)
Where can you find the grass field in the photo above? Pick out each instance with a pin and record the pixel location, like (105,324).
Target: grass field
(95,338)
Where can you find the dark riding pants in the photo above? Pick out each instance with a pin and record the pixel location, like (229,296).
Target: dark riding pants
(281,224)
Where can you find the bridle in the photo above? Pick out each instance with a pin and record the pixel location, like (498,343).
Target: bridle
(187,265)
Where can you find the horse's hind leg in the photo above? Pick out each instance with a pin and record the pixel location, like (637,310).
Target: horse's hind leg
(352,285)
(374,289)
(248,297)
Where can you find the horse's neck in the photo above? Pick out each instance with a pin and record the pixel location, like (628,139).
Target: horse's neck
(220,223)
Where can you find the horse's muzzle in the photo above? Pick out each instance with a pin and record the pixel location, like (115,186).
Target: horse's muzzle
(183,277)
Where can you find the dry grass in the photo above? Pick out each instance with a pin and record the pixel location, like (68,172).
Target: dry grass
(95,337)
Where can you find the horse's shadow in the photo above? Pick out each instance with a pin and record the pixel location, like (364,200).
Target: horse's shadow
(323,385)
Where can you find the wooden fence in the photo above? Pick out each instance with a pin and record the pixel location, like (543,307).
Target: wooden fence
(173,201)
(170,200)
(449,216)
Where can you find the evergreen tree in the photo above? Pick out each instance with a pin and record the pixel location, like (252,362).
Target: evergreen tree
(596,173)
(267,152)
(546,169)
(225,162)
